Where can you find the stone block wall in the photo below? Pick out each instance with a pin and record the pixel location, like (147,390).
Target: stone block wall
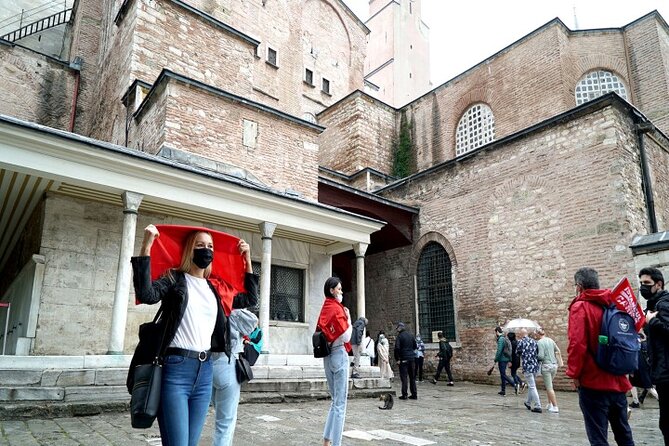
(517,231)
(359,132)
(658,162)
(35,88)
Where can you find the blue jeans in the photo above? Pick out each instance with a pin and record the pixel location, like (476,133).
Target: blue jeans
(503,376)
(226,399)
(184,400)
(601,408)
(336,372)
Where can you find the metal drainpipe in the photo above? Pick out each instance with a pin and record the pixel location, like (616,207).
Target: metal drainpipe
(76,66)
(646,183)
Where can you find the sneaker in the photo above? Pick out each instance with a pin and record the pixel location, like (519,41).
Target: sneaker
(403,397)
(527,405)
(413,397)
(553,409)
(537,410)
(634,405)
(501,393)
(523,387)
(516,388)
(434,381)
(549,406)
(450,384)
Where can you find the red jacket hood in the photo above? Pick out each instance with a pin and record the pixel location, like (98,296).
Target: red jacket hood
(601,297)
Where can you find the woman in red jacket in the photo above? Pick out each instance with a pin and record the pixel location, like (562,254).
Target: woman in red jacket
(335,322)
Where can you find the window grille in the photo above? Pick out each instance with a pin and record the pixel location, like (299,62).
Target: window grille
(435,292)
(598,83)
(476,128)
(286,295)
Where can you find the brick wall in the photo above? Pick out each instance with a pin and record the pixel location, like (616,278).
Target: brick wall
(359,130)
(535,79)
(658,160)
(648,44)
(284,155)
(35,88)
(517,231)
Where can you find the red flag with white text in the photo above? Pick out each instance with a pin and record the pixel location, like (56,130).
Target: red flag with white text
(624,298)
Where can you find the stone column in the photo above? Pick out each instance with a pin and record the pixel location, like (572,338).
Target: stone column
(360,249)
(131,202)
(266,232)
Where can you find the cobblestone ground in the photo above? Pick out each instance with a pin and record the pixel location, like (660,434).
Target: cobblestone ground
(466,414)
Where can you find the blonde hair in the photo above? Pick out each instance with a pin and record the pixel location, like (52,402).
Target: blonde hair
(187,255)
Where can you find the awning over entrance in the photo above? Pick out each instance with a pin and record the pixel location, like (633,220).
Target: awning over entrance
(36,159)
(398,231)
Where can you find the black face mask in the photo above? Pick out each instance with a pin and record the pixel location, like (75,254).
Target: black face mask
(646,292)
(202,257)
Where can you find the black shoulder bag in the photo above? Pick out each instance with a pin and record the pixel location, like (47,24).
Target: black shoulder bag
(145,374)
(321,345)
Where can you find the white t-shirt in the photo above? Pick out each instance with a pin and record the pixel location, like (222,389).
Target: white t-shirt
(197,325)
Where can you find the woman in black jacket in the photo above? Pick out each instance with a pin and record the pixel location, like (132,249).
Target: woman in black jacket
(195,325)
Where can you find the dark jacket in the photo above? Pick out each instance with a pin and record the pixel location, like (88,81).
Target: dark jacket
(658,338)
(358,329)
(172,293)
(445,350)
(515,357)
(405,346)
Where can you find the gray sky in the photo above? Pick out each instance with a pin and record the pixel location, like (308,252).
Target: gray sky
(463,33)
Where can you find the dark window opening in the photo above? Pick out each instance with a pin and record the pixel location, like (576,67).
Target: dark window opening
(309,76)
(326,86)
(435,292)
(271,57)
(286,295)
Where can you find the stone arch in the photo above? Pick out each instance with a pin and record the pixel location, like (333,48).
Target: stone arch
(333,9)
(431,236)
(592,62)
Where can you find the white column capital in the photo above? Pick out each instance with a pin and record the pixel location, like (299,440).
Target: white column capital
(131,202)
(360,249)
(267,229)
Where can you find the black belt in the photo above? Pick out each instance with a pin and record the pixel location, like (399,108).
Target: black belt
(202,356)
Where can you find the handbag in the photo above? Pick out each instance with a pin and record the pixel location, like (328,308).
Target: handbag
(145,373)
(243,369)
(321,345)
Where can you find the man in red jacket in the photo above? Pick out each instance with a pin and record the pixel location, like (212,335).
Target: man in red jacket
(601,395)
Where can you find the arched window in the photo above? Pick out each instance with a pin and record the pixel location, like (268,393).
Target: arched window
(435,292)
(476,128)
(597,83)
(310,117)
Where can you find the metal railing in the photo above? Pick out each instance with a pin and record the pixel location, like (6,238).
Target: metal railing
(49,7)
(40,25)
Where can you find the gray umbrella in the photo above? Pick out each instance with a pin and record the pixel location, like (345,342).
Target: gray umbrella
(516,324)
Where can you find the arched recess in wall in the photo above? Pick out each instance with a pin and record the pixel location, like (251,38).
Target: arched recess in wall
(434,262)
(326,45)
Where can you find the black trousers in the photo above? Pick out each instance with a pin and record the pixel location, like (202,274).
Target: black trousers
(418,371)
(408,377)
(444,363)
(601,408)
(663,397)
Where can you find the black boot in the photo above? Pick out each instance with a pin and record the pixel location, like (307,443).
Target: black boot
(642,396)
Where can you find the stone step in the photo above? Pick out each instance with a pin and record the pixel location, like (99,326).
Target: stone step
(117,376)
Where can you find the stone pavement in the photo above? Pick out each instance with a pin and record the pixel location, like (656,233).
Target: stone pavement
(467,414)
